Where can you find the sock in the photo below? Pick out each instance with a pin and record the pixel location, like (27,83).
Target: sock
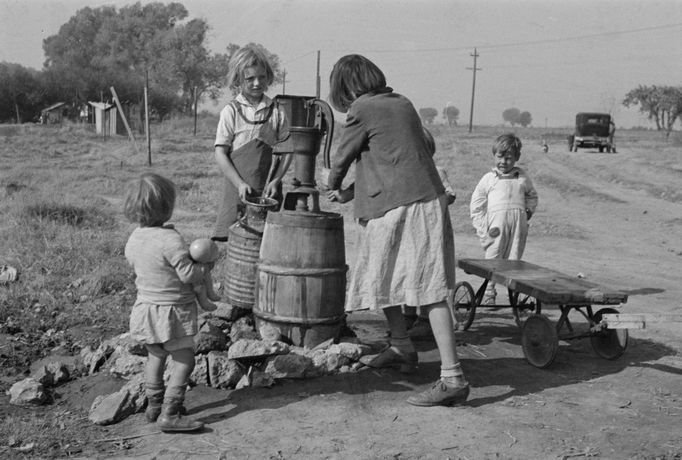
(452,375)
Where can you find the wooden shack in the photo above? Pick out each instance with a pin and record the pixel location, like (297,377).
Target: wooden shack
(105,118)
(54,114)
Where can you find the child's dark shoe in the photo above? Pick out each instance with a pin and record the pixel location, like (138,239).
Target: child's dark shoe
(441,394)
(153,411)
(390,356)
(177,423)
(171,420)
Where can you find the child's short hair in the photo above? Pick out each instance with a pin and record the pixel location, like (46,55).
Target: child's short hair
(150,200)
(248,56)
(508,143)
(352,76)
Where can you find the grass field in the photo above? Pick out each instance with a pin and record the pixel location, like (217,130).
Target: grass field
(62,227)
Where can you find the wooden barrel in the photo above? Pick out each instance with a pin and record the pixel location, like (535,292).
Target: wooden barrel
(301,276)
(243,248)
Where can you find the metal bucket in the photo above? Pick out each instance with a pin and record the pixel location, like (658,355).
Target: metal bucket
(243,248)
(301,276)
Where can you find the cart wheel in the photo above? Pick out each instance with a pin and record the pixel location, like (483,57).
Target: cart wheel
(539,340)
(608,343)
(525,306)
(464,305)
(601,149)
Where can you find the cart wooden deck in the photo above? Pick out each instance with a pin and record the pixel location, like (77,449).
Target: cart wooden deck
(530,286)
(548,286)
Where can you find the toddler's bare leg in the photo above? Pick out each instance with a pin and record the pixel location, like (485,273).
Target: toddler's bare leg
(202,297)
(208,280)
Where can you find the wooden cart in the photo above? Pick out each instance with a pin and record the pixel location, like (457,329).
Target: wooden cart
(530,286)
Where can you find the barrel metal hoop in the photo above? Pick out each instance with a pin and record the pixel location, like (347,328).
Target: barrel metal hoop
(291,271)
(298,321)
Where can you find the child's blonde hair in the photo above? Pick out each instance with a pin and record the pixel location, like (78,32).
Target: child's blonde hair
(248,56)
(150,200)
(352,76)
(508,143)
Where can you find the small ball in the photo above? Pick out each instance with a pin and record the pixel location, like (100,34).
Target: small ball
(203,250)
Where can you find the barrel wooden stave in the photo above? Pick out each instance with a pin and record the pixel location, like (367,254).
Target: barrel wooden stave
(301,277)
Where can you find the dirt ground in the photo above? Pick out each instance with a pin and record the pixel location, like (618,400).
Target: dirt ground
(610,218)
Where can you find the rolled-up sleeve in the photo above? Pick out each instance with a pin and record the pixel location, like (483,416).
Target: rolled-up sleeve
(225,130)
(531,195)
(478,207)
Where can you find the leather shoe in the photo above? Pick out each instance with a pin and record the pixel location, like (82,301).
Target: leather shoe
(392,357)
(440,394)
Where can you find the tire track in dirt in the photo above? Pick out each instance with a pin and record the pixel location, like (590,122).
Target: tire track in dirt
(632,237)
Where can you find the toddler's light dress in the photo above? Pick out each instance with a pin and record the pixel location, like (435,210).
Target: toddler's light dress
(165,311)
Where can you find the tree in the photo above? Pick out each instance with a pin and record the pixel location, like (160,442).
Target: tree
(663,104)
(525,119)
(20,93)
(511,115)
(451,113)
(152,42)
(428,114)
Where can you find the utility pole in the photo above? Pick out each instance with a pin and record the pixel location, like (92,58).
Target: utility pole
(196,104)
(146,117)
(317,80)
(284,81)
(473,88)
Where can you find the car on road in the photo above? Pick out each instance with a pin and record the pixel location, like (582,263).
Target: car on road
(592,130)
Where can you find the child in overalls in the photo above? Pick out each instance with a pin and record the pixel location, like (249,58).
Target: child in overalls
(501,206)
(249,127)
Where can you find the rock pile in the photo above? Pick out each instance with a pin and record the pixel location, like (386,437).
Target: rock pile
(229,354)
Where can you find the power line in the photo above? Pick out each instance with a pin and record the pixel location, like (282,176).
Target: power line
(299,57)
(523,43)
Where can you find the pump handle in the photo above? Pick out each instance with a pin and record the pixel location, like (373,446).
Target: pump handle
(328,119)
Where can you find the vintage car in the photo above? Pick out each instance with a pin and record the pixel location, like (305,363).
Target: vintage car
(592,130)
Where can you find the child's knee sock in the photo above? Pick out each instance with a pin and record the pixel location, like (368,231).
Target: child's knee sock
(174,398)
(154,392)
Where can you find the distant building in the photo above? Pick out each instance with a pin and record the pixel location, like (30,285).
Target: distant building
(54,114)
(105,118)
(108,119)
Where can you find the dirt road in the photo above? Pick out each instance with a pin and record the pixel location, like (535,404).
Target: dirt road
(617,220)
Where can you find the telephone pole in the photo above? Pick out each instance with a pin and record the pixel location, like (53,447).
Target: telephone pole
(473,88)
(284,81)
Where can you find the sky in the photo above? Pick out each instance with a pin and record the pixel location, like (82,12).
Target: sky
(549,57)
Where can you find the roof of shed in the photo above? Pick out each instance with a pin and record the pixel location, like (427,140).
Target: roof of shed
(53,106)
